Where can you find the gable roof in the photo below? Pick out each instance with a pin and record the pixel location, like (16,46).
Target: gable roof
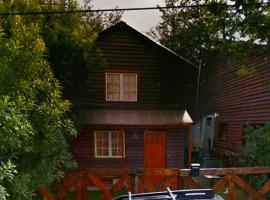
(122,24)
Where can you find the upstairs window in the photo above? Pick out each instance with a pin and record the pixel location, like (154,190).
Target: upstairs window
(109,144)
(121,86)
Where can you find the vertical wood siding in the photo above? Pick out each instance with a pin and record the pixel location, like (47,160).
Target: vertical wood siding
(237,99)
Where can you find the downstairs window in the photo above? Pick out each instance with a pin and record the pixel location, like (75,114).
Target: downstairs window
(109,144)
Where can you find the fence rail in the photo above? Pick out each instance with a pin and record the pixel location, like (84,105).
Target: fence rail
(109,181)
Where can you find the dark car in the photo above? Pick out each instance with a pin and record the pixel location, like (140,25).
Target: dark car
(194,194)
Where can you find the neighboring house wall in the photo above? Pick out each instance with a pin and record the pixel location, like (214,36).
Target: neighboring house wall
(236,99)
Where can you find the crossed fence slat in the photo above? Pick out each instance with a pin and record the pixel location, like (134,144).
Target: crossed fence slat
(173,178)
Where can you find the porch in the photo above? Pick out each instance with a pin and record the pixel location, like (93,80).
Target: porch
(231,181)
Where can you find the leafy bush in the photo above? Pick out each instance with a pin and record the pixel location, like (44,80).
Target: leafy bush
(35,128)
(256,152)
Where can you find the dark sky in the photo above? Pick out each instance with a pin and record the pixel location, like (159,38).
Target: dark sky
(142,20)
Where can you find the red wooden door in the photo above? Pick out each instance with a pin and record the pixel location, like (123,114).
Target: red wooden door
(155,149)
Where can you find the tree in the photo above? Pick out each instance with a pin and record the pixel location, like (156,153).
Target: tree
(35,128)
(256,151)
(187,31)
(193,32)
(212,25)
(71,50)
(69,39)
(7,171)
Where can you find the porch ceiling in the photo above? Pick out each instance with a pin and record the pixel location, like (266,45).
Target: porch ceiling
(134,117)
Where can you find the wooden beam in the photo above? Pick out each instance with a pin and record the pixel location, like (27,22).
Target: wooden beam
(158,171)
(46,194)
(190,146)
(225,171)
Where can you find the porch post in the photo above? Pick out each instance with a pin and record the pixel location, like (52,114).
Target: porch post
(190,146)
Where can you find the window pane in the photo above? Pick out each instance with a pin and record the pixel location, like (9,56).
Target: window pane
(119,151)
(102,143)
(113,86)
(99,144)
(114,145)
(114,152)
(109,143)
(98,136)
(115,135)
(99,152)
(130,86)
(105,152)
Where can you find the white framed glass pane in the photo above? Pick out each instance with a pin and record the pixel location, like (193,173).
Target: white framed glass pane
(130,86)
(112,86)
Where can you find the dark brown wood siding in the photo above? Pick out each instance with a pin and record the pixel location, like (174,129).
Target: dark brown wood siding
(237,99)
(163,80)
(82,148)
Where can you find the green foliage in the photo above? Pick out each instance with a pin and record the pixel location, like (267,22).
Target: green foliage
(69,40)
(35,128)
(194,32)
(246,71)
(191,32)
(34,125)
(71,51)
(7,171)
(256,151)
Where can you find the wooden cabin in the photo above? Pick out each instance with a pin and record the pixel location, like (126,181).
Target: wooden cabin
(137,115)
(234,94)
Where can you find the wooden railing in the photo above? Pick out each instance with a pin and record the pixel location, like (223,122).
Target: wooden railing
(109,181)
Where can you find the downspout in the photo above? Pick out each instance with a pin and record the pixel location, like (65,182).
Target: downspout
(198,86)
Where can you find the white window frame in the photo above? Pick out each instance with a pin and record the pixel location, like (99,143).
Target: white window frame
(121,74)
(110,144)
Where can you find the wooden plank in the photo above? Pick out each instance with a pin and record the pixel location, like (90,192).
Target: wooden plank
(78,191)
(244,185)
(81,179)
(45,193)
(119,184)
(148,184)
(131,183)
(265,188)
(110,172)
(159,171)
(68,184)
(219,184)
(140,184)
(84,192)
(226,171)
(231,189)
(95,180)
(189,181)
(170,182)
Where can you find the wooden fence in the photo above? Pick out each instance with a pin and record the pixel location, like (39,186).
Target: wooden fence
(109,181)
